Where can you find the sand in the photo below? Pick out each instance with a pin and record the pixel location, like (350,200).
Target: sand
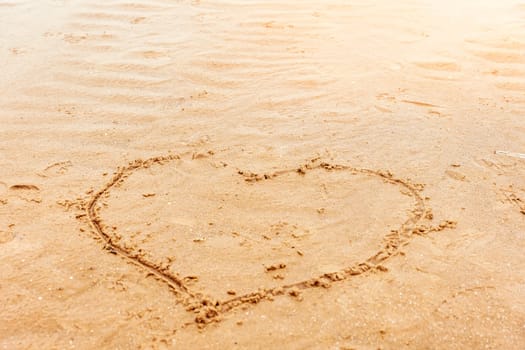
(262,174)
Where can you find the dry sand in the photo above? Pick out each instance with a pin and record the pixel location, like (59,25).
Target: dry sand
(262,174)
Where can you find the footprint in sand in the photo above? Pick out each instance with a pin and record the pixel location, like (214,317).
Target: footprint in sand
(56,169)
(27,192)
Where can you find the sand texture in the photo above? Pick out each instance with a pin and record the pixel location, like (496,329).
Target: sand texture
(262,174)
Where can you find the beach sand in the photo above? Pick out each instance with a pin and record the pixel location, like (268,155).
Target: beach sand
(262,174)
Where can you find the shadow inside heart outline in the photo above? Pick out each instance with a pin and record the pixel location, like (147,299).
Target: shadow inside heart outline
(207,309)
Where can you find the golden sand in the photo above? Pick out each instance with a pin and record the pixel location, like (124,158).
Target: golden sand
(262,174)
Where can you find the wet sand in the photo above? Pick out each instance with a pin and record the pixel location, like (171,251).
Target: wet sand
(253,174)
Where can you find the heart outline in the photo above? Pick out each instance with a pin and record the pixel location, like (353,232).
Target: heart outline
(207,309)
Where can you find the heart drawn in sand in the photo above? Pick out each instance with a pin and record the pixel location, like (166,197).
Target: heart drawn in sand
(221,237)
